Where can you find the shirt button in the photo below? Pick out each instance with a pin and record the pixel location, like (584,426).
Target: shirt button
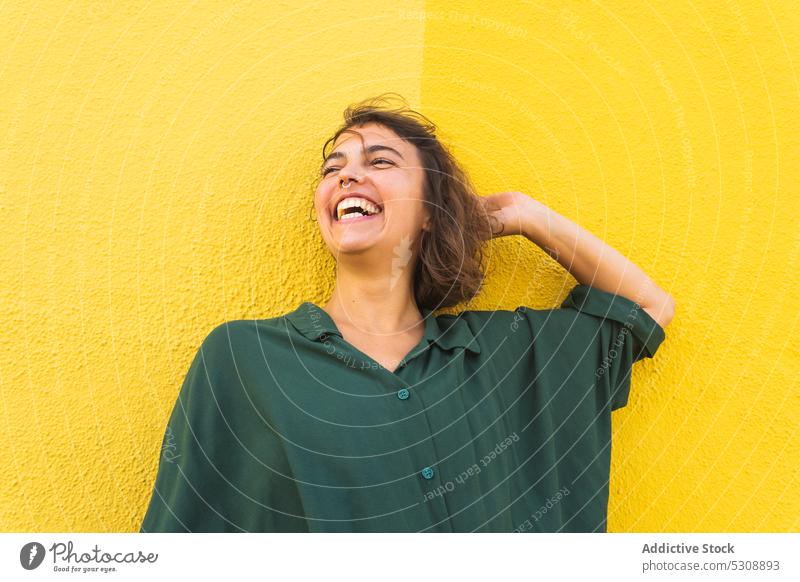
(427,472)
(403,394)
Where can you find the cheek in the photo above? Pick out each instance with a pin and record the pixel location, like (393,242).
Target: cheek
(322,197)
(407,217)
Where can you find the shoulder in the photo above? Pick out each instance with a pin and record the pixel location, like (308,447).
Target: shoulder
(243,334)
(480,320)
(583,313)
(231,354)
(491,330)
(501,322)
(227,333)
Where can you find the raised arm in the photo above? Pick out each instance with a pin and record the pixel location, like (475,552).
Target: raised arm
(591,261)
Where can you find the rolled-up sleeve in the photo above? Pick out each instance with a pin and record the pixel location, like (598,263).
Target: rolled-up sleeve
(627,334)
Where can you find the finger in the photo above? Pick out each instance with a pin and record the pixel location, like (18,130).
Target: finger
(491,204)
(497,225)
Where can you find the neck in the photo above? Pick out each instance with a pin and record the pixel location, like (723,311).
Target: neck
(373,299)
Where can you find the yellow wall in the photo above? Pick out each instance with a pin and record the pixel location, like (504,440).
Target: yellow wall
(155,180)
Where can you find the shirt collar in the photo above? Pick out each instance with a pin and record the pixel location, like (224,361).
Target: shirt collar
(314,323)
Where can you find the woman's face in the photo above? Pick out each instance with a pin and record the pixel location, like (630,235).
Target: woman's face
(384,169)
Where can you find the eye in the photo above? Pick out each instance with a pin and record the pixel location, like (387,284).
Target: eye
(329,169)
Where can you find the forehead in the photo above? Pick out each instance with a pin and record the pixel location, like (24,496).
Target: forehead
(356,138)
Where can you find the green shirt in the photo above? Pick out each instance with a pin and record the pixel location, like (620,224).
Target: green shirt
(497,421)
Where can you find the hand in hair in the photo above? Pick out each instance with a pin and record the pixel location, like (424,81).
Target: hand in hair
(508,212)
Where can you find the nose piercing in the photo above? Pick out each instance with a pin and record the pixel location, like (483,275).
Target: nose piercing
(346,186)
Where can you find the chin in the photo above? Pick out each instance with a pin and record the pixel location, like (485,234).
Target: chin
(351,248)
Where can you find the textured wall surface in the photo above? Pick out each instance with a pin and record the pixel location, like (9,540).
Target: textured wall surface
(155,180)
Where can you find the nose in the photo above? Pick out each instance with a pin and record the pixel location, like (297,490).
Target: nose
(346,179)
(348,174)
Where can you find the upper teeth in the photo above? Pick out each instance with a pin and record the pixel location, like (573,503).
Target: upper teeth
(362,203)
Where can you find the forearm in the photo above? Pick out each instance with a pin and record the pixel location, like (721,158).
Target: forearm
(593,262)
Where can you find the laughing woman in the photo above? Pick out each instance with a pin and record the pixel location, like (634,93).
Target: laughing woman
(370,413)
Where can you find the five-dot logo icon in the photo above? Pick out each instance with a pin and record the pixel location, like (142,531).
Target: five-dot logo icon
(31,555)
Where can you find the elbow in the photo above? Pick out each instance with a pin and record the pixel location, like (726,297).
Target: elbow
(669,311)
(662,312)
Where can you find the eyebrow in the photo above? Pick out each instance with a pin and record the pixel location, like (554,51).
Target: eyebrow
(373,148)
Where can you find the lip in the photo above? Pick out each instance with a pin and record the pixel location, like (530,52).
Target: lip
(344,195)
(358,219)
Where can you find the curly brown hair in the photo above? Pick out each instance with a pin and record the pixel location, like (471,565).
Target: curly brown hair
(450,267)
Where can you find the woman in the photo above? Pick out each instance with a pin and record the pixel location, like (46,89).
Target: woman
(370,413)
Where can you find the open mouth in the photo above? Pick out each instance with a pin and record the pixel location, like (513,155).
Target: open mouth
(355,209)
